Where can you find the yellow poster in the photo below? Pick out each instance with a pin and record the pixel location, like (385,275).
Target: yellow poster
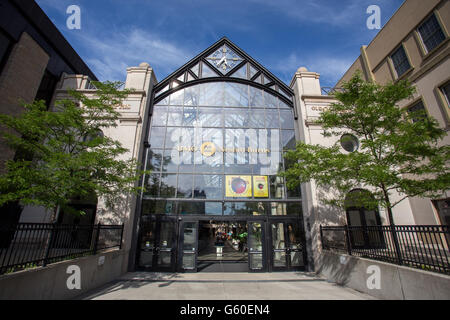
(260,187)
(239,186)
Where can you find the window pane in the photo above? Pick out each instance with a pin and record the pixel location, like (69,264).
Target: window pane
(173,137)
(175,116)
(277,187)
(256,97)
(155,157)
(286,119)
(431,33)
(200,208)
(168,185)
(400,61)
(241,73)
(236,118)
(189,116)
(208,186)
(170,161)
(244,208)
(235,95)
(288,139)
(152,185)
(157,137)
(177,98)
(210,117)
(191,96)
(211,94)
(159,116)
(446,91)
(271,100)
(159,207)
(257,119)
(417,112)
(272,119)
(185,186)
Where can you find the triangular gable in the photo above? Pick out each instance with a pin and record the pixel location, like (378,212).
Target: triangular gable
(224,60)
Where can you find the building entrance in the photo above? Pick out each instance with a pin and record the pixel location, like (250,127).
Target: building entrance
(199,245)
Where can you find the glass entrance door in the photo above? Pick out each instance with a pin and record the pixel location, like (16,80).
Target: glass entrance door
(157,244)
(256,255)
(188,246)
(287,246)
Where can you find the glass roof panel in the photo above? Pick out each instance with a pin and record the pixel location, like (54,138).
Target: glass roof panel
(190,77)
(194,69)
(253,71)
(207,72)
(241,73)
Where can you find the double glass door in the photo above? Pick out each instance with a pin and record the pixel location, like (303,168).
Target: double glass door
(287,246)
(157,243)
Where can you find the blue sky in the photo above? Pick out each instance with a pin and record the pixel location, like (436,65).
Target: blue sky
(283,35)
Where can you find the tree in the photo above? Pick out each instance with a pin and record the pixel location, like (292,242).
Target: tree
(398,150)
(64,153)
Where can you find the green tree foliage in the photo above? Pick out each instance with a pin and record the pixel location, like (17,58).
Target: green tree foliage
(398,150)
(64,153)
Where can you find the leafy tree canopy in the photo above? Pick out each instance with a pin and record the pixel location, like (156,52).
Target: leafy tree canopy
(398,150)
(64,154)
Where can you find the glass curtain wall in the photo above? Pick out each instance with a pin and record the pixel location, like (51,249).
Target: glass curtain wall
(216,149)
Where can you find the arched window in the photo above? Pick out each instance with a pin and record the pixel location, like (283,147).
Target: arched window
(363,219)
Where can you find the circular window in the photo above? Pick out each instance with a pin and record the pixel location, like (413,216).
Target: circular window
(349,142)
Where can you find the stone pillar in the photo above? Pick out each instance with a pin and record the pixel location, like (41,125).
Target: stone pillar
(307,88)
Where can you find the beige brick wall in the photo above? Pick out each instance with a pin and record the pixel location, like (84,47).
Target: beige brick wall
(19,81)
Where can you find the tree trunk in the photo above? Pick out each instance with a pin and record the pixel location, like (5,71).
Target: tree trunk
(398,252)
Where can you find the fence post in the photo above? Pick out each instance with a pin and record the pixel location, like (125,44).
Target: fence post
(347,240)
(49,244)
(96,238)
(396,245)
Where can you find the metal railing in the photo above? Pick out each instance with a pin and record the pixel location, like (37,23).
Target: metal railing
(29,245)
(422,247)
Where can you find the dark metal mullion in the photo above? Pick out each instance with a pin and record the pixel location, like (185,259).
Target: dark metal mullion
(236,68)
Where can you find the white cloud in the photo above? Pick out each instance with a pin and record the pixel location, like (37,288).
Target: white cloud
(330,68)
(334,13)
(110,55)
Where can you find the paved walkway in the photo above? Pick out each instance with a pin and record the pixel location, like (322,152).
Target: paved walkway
(223,286)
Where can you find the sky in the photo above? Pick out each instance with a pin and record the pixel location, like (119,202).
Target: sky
(324,36)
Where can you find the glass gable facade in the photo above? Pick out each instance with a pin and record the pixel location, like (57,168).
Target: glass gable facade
(216,149)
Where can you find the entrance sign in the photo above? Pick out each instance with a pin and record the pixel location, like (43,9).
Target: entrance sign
(260,187)
(239,186)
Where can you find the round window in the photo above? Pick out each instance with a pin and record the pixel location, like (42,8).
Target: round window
(349,142)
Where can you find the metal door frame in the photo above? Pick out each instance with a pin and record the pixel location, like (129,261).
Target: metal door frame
(263,223)
(180,243)
(158,220)
(287,248)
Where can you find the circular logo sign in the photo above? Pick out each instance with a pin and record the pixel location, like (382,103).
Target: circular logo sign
(238,185)
(208,149)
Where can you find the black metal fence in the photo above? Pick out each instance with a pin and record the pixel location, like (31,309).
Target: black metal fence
(28,245)
(422,247)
